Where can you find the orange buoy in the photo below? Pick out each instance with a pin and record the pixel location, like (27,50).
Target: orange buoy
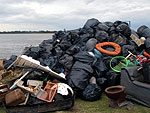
(114,45)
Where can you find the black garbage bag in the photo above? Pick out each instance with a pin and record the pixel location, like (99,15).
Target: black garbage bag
(53,63)
(75,38)
(140,29)
(99,68)
(66,61)
(45,55)
(57,51)
(33,52)
(147,43)
(60,35)
(47,44)
(46,48)
(126,48)
(113,78)
(131,42)
(88,29)
(90,44)
(112,30)
(73,49)
(144,31)
(102,82)
(65,44)
(65,41)
(79,76)
(102,27)
(47,62)
(7,63)
(35,49)
(35,74)
(92,93)
(109,24)
(84,57)
(101,36)
(84,37)
(113,37)
(116,23)
(56,66)
(119,39)
(106,59)
(92,22)
(83,31)
(124,29)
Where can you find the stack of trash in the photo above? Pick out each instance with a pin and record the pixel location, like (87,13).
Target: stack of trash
(87,60)
(25,86)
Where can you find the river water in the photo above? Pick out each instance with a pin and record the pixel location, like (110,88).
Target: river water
(14,44)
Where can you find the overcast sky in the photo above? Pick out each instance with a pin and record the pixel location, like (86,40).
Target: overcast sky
(70,14)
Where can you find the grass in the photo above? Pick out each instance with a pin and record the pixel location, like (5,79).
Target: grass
(100,106)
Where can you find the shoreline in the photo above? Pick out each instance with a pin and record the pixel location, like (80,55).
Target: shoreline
(30,33)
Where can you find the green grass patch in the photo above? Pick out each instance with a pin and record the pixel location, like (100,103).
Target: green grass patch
(102,106)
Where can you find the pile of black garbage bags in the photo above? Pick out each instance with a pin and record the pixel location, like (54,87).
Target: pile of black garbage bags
(73,52)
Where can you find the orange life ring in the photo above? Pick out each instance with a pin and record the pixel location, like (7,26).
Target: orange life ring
(115,45)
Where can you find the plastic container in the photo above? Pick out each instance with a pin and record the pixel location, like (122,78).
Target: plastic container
(123,63)
(49,92)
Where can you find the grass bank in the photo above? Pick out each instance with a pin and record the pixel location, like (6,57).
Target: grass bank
(101,106)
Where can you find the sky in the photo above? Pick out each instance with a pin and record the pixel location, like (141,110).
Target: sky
(70,14)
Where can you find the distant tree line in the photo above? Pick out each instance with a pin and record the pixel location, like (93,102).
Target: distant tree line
(18,32)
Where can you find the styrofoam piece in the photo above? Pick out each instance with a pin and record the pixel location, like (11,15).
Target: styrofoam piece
(63,89)
(26,61)
(34,83)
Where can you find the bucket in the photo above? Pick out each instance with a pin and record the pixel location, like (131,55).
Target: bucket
(123,63)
